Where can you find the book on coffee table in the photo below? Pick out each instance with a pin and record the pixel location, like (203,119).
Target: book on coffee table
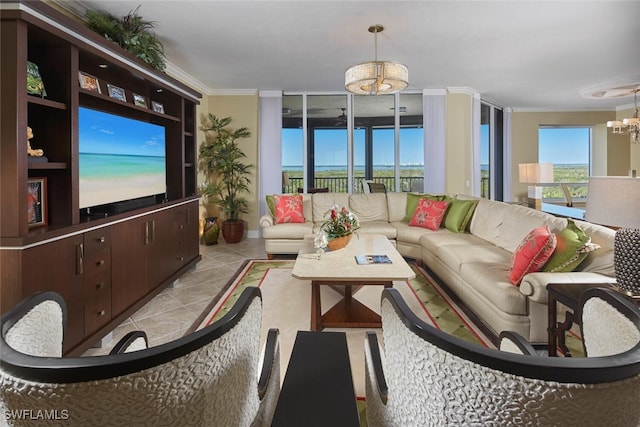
(372,259)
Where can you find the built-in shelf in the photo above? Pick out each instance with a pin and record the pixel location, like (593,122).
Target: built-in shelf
(129,105)
(47,165)
(46,102)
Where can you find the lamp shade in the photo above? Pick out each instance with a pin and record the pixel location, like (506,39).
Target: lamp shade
(613,201)
(376,78)
(535,173)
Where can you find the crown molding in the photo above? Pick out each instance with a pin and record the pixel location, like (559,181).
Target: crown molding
(233,92)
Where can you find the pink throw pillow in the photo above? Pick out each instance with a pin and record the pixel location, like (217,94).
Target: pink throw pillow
(288,208)
(429,214)
(532,253)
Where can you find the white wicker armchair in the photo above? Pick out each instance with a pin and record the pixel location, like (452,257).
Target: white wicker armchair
(430,378)
(211,377)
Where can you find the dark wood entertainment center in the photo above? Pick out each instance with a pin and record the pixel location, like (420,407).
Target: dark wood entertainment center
(105,267)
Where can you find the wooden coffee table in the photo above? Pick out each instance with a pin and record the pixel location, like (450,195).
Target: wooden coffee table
(340,270)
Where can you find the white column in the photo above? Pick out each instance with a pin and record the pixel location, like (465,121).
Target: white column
(507,154)
(435,143)
(476,176)
(269,145)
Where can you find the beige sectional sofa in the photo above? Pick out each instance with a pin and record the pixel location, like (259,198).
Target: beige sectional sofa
(474,264)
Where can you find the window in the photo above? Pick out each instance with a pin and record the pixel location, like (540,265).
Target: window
(316,143)
(568,148)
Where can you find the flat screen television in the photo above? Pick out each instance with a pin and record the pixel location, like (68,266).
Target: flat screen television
(120,159)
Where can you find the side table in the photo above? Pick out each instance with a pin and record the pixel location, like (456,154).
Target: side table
(569,296)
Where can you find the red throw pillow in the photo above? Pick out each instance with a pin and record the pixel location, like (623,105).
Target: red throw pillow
(532,253)
(288,208)
(429,214)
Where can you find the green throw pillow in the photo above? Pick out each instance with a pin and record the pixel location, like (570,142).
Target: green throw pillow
(572,248)
(412,203)
(271,205)
(459,214)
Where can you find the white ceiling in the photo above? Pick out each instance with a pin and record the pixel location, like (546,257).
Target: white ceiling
(530,55)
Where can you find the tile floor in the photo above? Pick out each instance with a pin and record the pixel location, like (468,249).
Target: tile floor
(173,311)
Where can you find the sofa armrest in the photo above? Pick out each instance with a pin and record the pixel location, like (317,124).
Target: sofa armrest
(375,374)
(266,221)
(269,380)
(534,285)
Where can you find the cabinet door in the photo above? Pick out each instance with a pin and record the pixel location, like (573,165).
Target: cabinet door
(57,266)
(129,261)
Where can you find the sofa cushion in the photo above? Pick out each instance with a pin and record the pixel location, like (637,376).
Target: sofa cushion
(456,255)
(323,202)
(487,220)
(429,214)
(378,227)
(432,240)
(518,221)
(408,234)
(369,206)
(492,281)
(412,203)
(295,231)
(396,206)
(572,247)
(459,215)
(288,208)
(532,253)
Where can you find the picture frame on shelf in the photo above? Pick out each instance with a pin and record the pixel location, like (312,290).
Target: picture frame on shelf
(89,82)
(139,101)
(37,202)
(157,107)
(116,92)
(35,85)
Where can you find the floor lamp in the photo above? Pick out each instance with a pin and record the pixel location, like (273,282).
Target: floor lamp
(535,173)
(615,201)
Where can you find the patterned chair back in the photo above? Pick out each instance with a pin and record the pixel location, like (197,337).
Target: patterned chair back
(207,378)
(431,378)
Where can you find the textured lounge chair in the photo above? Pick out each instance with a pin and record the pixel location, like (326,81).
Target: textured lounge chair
(208,378)
(431,378)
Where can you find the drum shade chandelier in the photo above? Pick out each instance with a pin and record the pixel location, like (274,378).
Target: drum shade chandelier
(630,125)
(376,77)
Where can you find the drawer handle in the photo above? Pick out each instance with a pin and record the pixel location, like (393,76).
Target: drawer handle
(101,239)
(100,285)
(181,227)
(180,258)
(100,263)
(101,313)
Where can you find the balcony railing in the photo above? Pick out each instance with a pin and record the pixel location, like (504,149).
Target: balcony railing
(340,184)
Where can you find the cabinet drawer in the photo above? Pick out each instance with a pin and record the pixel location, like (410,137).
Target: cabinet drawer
(97,263)
(97,309)
(97,240)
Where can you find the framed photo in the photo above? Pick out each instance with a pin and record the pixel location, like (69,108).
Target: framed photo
(116,92)
(35,85)
(139,100)
(157,107)
(37,202)
(88,82)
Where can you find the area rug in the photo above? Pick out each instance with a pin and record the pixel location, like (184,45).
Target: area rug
(287,306)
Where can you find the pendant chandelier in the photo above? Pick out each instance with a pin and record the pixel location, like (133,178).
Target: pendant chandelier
(376,77)
(630,125)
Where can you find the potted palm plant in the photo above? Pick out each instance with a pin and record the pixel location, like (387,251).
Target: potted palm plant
(226,175)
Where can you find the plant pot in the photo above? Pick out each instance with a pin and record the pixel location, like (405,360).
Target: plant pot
(232,231)
(211,231)
(339,242)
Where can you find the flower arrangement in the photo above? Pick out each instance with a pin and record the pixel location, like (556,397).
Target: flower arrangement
(339,223)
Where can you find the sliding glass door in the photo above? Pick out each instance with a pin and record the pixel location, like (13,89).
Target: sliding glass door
(322,150)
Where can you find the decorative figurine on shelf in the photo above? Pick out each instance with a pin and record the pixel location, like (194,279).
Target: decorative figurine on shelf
(30,151)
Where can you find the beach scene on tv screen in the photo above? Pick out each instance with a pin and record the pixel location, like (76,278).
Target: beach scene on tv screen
(119,159)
